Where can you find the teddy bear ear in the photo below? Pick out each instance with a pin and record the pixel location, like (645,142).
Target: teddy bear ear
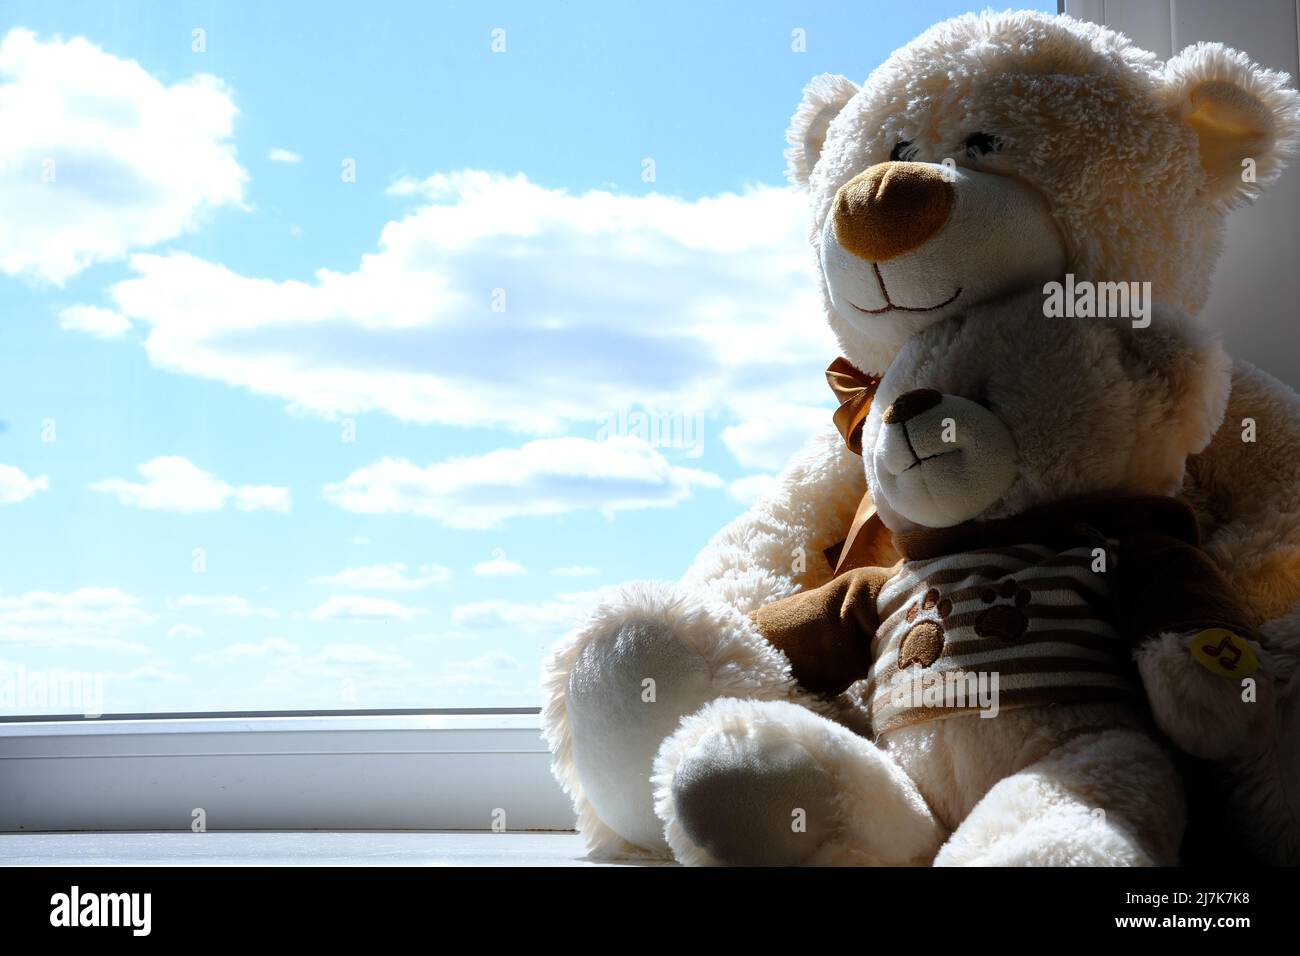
(1246,118)
(823,98)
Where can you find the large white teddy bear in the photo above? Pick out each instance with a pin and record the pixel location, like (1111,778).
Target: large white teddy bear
(991,155)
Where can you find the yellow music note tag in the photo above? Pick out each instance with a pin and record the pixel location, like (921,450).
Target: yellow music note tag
(1222,652)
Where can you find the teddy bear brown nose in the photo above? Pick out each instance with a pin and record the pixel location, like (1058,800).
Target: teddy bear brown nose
(891,209)
(910,404)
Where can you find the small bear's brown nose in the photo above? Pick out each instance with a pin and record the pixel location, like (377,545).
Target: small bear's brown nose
(910,404)
(891,209)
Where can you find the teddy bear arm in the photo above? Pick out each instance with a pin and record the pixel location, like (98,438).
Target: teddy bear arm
(826,633)
(778,546)
(1211,699)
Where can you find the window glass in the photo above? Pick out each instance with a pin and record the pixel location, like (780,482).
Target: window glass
(351,350)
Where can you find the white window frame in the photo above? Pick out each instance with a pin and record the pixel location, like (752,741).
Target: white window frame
(377,770)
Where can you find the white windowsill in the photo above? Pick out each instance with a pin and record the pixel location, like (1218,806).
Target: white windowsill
(293,849)
(280,773)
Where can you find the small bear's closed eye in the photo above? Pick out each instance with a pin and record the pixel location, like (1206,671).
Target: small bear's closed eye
(903,151)
(981,144)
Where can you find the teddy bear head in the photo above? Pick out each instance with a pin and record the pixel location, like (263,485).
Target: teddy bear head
(1000,409)
(997,151)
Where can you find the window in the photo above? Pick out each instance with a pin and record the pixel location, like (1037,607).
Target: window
(348,357)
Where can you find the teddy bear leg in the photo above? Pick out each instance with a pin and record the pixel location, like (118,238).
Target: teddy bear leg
(770,783)
(1104,799)
(620,684)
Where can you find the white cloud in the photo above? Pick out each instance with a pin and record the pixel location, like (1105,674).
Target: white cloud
(335,675)
(262,498)
(228,605)
(173,483)
(85,617)
(16,486)
(575,571)
(499,566)
(363,675)
(101,323)
(609,301)
(278,155)
(405,187)
(749,489)
(770,440)
(492,661)
(358,655)
(387,577)
(148,674)
(549,476)
(184,631)
(359,608)
(101,158)
(561,612)
(246,649)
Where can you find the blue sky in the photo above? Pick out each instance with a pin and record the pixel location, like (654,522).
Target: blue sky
(273,437)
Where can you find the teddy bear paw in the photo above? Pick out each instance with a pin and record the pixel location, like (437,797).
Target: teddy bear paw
(734,798)
(620,684)
(770,783)
(924,641)
(1004,617)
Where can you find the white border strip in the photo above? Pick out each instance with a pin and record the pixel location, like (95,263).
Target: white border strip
(391,772)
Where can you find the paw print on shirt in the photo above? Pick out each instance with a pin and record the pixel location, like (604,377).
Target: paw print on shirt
(1005,621)
(923,642)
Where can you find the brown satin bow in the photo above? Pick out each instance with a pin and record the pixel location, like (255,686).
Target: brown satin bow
(855,390)
(869,542)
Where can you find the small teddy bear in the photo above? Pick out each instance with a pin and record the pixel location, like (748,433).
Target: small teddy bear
(1041,547)
(979,701)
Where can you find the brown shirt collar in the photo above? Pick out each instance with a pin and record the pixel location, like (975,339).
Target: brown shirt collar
(1062,523)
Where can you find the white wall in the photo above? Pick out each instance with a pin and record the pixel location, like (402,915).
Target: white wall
(1255,303)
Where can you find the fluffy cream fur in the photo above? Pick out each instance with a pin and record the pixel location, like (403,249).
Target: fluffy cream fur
(1266,789)
(743,754)
(860,807)
(695,649)
(1102,799)
(1070,784)
(1128,155)
(1198,710)
(1094,405)
(1115,141)
(775,549)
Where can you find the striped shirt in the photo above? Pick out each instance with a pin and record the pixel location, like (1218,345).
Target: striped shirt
(1033,618)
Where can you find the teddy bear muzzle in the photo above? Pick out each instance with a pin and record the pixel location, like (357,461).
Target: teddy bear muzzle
(941,459)
(891,209)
